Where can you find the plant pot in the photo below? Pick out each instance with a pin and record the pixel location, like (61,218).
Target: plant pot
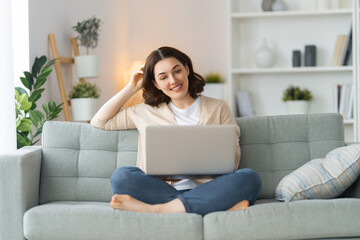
(214,90)
(83,109)
(297,107)
(87,66)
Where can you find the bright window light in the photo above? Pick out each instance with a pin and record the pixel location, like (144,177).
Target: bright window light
(14,59)
(20,29)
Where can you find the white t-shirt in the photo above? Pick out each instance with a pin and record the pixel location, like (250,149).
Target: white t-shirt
(187,116)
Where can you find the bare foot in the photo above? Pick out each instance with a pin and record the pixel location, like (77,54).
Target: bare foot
(126,202)
(240,206)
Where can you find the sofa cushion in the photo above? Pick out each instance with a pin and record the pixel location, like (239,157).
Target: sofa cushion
(95,220)
(277,145)
(306,219)
(320,178)
(78,161)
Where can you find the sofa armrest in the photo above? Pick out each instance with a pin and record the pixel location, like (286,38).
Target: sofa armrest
(19,189)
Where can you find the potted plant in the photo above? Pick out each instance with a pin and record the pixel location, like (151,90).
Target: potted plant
(214,86)
(84,101)
(30,120)
(88,65)
(297,100)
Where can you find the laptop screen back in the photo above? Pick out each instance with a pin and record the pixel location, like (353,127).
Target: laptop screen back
(190,150)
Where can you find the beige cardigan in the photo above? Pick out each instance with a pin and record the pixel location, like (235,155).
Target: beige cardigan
(212,112)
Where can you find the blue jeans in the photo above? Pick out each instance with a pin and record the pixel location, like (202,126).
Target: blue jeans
(218,194)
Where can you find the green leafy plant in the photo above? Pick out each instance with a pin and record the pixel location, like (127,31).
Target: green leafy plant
(212,78)
(88,32)
(295,93)
(27,114)
(84,90)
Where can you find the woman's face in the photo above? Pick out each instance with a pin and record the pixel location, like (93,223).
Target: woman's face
(171,77)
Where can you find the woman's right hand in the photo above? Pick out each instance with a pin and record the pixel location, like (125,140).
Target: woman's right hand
(137,78)
(113,105)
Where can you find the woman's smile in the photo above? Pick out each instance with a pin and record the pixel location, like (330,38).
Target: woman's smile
(177,88)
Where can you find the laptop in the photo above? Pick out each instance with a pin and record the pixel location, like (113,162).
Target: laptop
(176,152)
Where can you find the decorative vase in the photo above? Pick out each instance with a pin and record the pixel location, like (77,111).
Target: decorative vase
(266,5)
(310,56)
(278,5)
(264,57)
(87,66)
(297,107)
(296,58)
(83,109)
(214,90)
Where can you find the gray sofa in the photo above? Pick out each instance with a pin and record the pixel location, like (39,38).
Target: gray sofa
(61,190)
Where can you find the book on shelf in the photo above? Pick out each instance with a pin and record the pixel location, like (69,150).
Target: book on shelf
(337,91)
(348,48)
(350,113)
(243,104)
(344,100)
(342,50)
(338,50)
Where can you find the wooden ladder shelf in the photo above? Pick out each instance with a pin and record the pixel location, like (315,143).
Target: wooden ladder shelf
(59,76)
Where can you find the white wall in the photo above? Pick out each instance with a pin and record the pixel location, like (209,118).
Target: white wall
(198,28)
(131,30)
(58,17)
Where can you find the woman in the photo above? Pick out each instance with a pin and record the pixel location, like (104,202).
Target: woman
(172,96)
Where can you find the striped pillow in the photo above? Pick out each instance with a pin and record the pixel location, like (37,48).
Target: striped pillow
(320,178)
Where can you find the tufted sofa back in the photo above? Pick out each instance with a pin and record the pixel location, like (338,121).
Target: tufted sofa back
(78,160)
(277,145)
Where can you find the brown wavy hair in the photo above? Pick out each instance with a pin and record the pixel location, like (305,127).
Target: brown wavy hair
(154,96)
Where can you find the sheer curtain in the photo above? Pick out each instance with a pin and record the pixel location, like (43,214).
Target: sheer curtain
(7,105)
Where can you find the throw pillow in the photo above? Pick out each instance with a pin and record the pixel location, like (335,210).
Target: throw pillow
(322,178)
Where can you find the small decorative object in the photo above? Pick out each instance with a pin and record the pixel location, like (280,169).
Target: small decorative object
(310,56)
(264,57)
(84,101)
(87,66)
(266,5)
(297,100)
(296,58)
(213,87)
(30,120)
(278,5)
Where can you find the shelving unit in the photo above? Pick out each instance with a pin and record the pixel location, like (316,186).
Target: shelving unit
(292,70)
(286,31)
(290,13)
